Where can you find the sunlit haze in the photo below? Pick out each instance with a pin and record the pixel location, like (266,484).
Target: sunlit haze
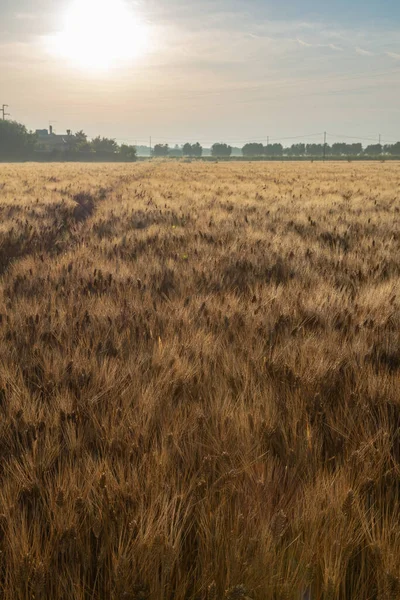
(215,70)
(99,34)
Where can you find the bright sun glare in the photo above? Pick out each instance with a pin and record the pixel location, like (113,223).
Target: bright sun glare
(100,34)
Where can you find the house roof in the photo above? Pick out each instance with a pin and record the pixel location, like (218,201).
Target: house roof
(53,139)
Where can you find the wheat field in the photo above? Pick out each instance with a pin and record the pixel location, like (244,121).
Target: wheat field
(199,381)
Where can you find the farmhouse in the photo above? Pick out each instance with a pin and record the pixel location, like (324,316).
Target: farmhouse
(48,141)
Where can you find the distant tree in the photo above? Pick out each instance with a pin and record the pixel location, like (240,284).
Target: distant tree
(221,150)
(273,150)
(175,152)
(373,149)
(128,152)
(187,149)
(143,150)
(296,150)
(161,150)
(102,144)
(253,149)
(195,150)
(343,149)
(80,137)
(316,149)
(355,149)
(80,142)
(15,140)
(393,149)
(338,149)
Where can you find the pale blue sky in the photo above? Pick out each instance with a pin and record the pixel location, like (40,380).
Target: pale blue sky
(215,70)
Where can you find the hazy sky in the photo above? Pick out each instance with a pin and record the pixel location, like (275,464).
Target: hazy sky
(209,70)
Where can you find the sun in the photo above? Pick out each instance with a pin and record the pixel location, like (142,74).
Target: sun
(98,35)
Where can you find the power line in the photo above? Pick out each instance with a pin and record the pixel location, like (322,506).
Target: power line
(351,137)
(227,139)
(298,137)
(355,137)
(261,138)
(241,143)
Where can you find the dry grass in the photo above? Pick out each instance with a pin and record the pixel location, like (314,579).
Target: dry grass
(199,382)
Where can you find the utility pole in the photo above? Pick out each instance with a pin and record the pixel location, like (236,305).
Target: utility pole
(3,110)
(324,145)
(150,146)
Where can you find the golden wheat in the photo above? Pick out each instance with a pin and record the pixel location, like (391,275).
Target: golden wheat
(199,381)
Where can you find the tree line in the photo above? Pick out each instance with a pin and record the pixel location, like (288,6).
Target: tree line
(191,150)
(221,150)
(102,145)
(16,142)
(319,150)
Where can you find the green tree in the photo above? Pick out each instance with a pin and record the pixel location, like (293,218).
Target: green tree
(80,142)
(195,150)
(187,149)
(253,149)
(316,149)
(339,149)
(161,150)
(15,140)
(102,144)
(128,152)
(221,150)
(273,150)
(80,137)
(296,150)
(373,150)
(355,149)
(175,152)
(344,149)
(393,149)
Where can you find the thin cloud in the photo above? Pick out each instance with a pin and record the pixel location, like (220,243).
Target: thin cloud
(332,47)
(308,45)
(393,55)
(362,52)
(303,43)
